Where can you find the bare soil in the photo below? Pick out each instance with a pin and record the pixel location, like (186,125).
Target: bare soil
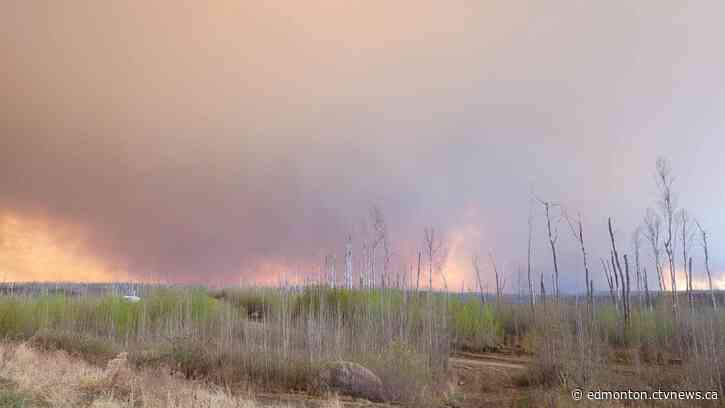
(486,379)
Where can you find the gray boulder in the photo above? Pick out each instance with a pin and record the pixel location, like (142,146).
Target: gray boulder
(351,379)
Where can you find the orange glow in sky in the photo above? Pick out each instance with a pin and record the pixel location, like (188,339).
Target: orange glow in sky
(699,279)
(32,249)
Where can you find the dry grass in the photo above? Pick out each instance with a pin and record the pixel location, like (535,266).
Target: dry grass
(572,351)
(59,380)
(402,336)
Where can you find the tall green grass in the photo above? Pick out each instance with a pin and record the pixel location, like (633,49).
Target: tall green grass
(272,338)
(107,316)
(279,338)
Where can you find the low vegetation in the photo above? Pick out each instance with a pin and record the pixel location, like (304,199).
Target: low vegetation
(267,339)
(273,340)
(54,379)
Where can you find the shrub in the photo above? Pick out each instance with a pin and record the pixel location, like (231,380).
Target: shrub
(474,325)
(89,348)
(261,303)
(405,373)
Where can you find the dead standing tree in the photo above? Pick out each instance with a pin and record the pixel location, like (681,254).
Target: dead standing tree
(532,295)
(647,296)
(653,233)
(379,237)
(436,254)
(330,261)
(641,273)
(610,282)
(623,275)
(500,281)
(417,279)
(626,290)
(686,239)
(364,258)
(477,268)
(703,242)
(577,230)
(364,264)
(387,258)
(668,209)
(616,273)
(553,238)
(348,263)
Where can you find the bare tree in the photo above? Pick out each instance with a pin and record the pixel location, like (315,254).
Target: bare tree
(668,209)
(348,262)
(626,285)
(379,237)
(636,243)
(500,281)
(417,279)
(330,261)
(364,264)
(553,238)
(703,242)
(647,299)
(445,280)
(686,239)
(653,233)
(691,296)
(364,255)
(623,275)
(610,281)
(477,267)
(532,295)
(615,274)
(387,257)
(435,253)
(577,230)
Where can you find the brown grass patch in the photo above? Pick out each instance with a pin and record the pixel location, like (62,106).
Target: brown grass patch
(61,380)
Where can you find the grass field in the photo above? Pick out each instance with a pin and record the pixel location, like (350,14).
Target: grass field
(269,340)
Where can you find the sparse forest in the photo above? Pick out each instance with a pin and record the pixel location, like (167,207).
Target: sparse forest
(410,342)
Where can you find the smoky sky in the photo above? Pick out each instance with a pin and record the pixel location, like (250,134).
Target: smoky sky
(200,140)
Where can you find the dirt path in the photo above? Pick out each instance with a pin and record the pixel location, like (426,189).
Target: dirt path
(476,381)
(307,401)
(486,380)
(490,360)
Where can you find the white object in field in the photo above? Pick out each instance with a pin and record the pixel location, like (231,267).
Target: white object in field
(132,299)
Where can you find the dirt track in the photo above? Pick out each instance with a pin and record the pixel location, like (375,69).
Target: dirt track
(485,380)
(476,381)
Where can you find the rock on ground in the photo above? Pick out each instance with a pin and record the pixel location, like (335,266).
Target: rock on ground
(352,379)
